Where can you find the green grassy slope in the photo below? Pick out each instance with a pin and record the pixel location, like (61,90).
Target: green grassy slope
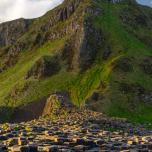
(115,102)
(117,84)
(15,76)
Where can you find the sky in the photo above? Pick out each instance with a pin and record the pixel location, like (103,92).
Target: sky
(14,9)
(145,2)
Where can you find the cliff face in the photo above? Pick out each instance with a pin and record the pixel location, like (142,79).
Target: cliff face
(20,35)
(99,52)
(23,35)
(12,31)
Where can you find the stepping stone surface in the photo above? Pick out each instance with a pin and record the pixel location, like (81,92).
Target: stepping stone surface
(81,130)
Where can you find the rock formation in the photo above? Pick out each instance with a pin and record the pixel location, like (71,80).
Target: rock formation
(57,104)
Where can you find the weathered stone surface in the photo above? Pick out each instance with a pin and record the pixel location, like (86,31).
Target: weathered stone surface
(46,66)
(124,65)
(146,66)
(13,30)
(56,104)
(79,131)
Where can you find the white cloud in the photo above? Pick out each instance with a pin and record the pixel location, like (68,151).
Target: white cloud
(14,9)
(145,2)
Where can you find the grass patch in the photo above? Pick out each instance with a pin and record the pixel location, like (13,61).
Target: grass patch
(15,75)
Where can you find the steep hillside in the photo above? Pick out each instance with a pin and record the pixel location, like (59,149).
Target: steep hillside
(99,52)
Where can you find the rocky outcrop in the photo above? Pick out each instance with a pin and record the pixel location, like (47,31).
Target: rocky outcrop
(53,105)
(57,104)
(146,65)
(12,31)
(134,19)
(20,35)
(124,65)
(139,93)
(82,48)
(115,1)
(46,66)
(92,40)
(10,46)
(51,30)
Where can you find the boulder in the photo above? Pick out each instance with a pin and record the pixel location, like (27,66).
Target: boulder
(57,104)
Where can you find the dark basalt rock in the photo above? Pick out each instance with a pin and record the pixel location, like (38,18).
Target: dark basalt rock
(147,97)
(124,65)
(82,48)
(141,20)
(46,66)
(95,96)
(135,18)
(11,31)
(92,41)
(115,1)
(139,93)
(107,52)
(146,66)
(132,88)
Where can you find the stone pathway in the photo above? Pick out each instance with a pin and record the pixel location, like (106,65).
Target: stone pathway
(80,130)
